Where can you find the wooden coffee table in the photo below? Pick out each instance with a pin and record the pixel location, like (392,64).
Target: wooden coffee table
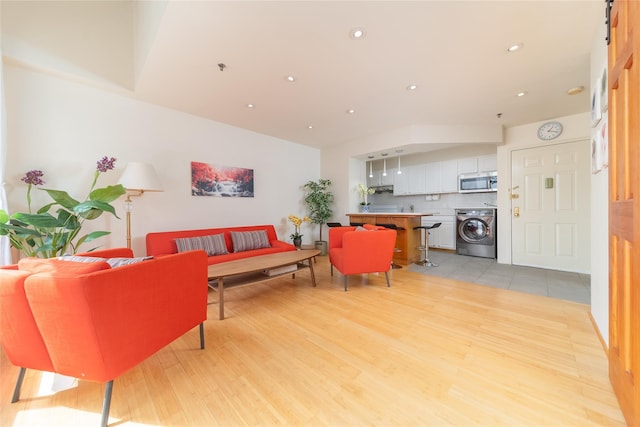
(258,269)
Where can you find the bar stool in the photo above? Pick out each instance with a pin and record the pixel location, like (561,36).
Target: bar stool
(395,250)
(424,247)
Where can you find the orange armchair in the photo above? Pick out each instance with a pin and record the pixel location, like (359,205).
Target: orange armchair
(94,322)
(359,252)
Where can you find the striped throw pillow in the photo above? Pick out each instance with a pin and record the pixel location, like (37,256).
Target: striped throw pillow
(249,240)
(213,244)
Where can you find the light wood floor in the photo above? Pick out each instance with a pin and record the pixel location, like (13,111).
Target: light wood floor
(426,352)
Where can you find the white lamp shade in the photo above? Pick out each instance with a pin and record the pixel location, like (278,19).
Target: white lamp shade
(141,177)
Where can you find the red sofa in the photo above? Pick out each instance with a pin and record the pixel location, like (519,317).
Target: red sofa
(164,242)
(359,252)
(93,322)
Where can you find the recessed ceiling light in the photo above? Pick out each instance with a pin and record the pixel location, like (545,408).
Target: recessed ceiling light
(351,111)
(412,87)
(291,79)
(250,105)
(521,94)
(575,90)
(357,33)
(515,47)
(310,127)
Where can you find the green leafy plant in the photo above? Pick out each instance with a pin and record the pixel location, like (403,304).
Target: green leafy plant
(318,201)
(45,235)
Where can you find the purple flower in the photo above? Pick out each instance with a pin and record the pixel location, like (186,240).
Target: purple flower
(106,164)
(33,177)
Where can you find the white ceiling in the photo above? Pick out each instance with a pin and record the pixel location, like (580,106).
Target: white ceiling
(455,51)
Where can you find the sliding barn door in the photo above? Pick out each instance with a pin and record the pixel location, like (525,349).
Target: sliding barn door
(624,206)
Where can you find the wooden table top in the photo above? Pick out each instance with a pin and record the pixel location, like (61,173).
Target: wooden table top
(260,262)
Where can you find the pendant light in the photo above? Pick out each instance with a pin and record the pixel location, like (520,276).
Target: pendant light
(399,171)
(384,167)
(370,169)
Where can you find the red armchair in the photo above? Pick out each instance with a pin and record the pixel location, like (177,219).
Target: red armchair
(359,252)
(94,322)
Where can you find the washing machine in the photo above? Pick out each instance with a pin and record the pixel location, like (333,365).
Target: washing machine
(476,232)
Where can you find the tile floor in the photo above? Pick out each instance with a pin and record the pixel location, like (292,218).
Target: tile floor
(483,271)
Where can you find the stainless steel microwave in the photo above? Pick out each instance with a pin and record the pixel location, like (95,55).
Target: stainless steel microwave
(478,182)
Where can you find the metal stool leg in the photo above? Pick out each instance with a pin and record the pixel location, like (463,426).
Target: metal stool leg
(424,247)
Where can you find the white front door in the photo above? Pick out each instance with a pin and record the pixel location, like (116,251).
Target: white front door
(550,206)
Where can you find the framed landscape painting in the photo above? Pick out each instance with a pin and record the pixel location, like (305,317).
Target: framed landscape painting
(220,181)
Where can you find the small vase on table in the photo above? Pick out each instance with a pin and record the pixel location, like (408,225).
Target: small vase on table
(297,242)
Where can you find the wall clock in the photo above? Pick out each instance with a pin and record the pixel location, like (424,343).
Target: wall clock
(550,130)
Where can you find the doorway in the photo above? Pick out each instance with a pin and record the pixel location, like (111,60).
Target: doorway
(550,196)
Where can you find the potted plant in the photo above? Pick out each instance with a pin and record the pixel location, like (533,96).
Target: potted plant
(296,237)
(48,235)
(318,201)
(364,192)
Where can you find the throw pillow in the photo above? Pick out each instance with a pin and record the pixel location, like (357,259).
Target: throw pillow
(213,244)
(119,262)
(113,262)
(249,240)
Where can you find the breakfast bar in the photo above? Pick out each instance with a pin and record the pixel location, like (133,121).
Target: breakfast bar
(408,238)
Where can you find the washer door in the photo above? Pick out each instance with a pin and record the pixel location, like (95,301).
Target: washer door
(475,230)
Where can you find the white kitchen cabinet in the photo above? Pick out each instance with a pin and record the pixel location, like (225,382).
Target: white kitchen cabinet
(410,181)
(488,163)
(442,177)
(389,179)
(468,165)
(443,237)
(417,179)
(433,184)
(401,184)
(449,176)
(378,179)
(374,180)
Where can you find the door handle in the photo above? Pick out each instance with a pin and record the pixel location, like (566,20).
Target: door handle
(516,211)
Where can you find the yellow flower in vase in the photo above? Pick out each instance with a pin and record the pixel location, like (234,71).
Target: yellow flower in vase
(297,222)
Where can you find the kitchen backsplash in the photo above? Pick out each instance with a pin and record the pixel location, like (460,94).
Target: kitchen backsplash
(446,204)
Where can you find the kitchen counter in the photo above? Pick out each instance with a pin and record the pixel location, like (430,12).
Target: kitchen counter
(394,214)
(408,238)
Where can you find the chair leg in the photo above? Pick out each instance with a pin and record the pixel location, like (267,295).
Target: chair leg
(16,390)
(106,404)
(331,270)
(345,283)
(202,336)
(386,275)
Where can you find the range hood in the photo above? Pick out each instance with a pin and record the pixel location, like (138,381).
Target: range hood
(383,188)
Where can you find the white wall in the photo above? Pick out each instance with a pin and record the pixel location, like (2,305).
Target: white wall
(600,214)
(63,128)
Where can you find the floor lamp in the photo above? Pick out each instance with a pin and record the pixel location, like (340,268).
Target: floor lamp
(136,179)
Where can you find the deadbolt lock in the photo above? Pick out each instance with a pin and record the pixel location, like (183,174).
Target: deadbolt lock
(516,211)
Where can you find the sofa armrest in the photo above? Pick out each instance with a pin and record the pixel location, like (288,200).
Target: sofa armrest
(21,339)
(336,234)
(99,325)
